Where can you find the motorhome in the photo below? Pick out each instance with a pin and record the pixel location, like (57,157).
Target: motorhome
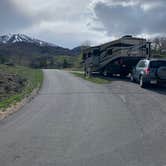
(116,57)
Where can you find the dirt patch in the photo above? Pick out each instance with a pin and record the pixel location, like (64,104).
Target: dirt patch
(10,84)
(18,85)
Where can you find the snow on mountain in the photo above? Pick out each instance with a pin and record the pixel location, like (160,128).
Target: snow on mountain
(17,38)
(5,38)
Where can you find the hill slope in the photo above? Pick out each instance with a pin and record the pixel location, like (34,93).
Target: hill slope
(23,50)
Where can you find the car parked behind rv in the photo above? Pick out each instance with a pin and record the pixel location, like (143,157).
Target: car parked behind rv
(149,72)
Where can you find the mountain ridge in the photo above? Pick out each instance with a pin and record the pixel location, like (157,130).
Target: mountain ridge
(17,38)
(23,50)
(22,39)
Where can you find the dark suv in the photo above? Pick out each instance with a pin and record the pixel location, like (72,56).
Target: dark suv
(149,72)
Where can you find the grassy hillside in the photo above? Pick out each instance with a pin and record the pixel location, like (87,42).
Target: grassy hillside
(22,79)
(29,54)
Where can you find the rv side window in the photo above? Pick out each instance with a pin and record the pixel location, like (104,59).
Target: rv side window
(109,52)
(96,52)
(84,56)
(147,51)
(89,55)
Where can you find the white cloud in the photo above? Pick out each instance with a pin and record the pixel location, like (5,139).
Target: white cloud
(52,9)
(71,22)
(67,20)
(131,17)
(66,33)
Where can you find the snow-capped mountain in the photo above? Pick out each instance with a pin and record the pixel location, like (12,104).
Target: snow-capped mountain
(24,50)
(18,38)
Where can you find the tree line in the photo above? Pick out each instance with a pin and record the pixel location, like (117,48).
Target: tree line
(159,46)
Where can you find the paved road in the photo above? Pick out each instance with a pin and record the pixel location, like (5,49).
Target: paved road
(77,123)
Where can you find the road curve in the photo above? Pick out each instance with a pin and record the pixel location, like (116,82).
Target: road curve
(73,122)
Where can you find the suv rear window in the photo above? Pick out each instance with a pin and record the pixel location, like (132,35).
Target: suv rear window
(142,64)
(157,64)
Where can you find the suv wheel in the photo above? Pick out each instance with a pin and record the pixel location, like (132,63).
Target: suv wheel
(141,82)
(123,75)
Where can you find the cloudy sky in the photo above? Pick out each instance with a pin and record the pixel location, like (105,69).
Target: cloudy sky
(70,23)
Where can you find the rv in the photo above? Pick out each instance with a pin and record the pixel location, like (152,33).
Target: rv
(116,57)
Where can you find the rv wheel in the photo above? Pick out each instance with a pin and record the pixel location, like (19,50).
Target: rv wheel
(123,75)
(105,73)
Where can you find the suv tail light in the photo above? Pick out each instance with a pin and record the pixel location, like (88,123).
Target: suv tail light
(147,71)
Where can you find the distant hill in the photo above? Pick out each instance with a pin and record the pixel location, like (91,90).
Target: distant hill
(24,50)
(17,41)
(21,38)
(77,50)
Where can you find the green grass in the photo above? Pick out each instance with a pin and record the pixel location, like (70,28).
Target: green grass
(34,79)
(94,79)
(163,56)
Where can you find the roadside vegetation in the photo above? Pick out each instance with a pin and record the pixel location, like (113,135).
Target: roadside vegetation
(16,83)
(66,62)
(57,62)
(95,78)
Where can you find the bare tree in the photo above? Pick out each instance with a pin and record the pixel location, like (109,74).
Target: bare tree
(86,43)
(159,44)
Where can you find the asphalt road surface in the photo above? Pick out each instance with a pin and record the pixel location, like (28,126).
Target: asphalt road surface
(73,122)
